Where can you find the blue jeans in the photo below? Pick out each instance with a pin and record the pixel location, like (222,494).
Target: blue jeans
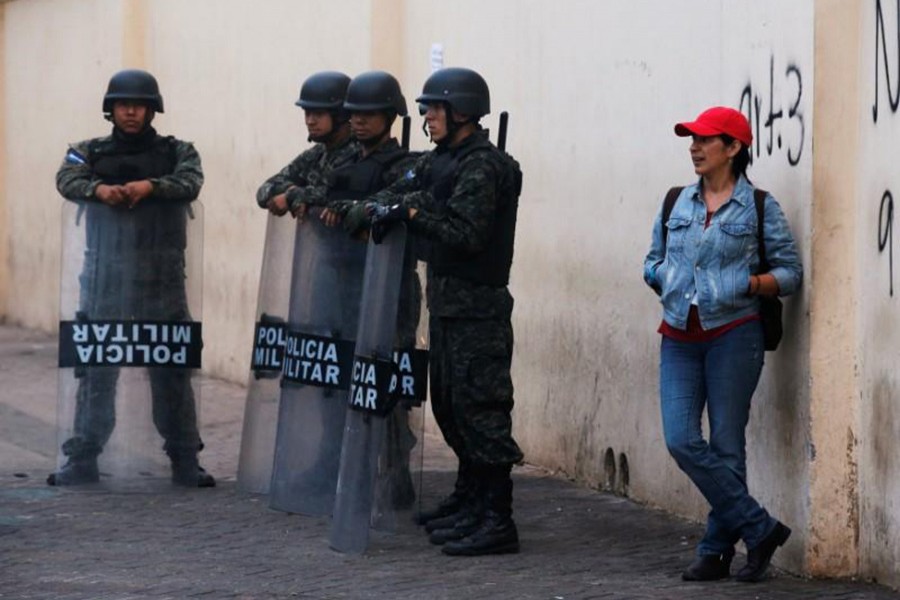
(720,375)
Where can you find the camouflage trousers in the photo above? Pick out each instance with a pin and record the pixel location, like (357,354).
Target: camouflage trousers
(174,411)
(471,388)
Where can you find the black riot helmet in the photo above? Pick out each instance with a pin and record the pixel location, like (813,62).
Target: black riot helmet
(323,91)
(464,90)
(133,84)
(375,91)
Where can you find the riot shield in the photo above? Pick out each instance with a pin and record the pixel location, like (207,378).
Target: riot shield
(381,456)
(263,389)
(130,341)
(326,284)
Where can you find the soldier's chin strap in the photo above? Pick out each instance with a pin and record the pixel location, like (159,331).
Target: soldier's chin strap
(338,120)
(452,126)
(381,137)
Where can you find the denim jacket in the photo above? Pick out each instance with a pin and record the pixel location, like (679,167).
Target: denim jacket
(715,263)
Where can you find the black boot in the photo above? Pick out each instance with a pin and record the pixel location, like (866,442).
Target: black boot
(452,503)
(759,557)
(76,471)
(461,523)
(187,472)
(496,533)
(709,567)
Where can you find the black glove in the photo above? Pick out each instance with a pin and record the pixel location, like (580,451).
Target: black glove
(384,218)
(355,218)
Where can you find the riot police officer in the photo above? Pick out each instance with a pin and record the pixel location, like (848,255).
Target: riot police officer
(461,199)
(374,101)
(135,187)
(304,181)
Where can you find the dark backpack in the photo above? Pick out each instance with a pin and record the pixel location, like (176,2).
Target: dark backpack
(770,307)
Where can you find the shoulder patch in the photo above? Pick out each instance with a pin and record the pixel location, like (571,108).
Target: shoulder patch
(410,174)
(73,157)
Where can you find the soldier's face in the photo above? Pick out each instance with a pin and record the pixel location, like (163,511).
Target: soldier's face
(368,126)
(436,122)
(318,123)
(130,116)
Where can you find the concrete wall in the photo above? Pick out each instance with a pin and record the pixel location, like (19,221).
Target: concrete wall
(593,89)
(878,290)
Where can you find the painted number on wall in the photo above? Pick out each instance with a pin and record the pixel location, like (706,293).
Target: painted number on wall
(891,76)
(882,45)
(782,123)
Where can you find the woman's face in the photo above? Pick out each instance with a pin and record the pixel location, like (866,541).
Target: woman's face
(711,155)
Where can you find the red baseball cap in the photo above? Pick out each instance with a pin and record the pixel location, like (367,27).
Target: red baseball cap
(716,121)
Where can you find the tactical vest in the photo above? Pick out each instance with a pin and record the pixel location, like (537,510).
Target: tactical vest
(491,265)
(115,164)
(363,178)
(154,227)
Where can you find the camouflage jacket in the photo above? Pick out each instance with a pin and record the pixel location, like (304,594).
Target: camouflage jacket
(76,179)
(305,179)
(464,221)
(391,172)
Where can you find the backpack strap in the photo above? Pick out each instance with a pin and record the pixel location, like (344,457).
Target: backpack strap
(759,198)
(668,205)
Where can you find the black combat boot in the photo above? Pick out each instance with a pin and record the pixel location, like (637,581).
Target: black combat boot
(461,523)
(452,503)
(496,533)
(187,472)
(469,512)
(76,471)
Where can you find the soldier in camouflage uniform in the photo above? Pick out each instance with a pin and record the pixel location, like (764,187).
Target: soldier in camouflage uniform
(304,182)
(149,181)
(374,100)
(461,200)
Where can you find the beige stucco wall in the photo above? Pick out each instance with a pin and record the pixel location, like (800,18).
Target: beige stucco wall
(877,309)
(58,58)
(593,91)
(834,410)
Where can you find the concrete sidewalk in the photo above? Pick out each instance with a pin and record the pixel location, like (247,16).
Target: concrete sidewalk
(174,543)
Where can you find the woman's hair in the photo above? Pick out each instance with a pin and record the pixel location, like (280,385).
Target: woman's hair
(741,161)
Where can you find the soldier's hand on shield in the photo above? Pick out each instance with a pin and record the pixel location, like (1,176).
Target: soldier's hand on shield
(384,218)
(356,220)
(331,218)
(278,205)
(136,191)
(111,195)
(300,211)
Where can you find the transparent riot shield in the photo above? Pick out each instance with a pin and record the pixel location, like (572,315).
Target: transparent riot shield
(326,284)
(263,389)
(381,455)
(130,341)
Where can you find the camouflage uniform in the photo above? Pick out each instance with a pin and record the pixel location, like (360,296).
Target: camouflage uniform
(305,179)
(134,268)
(471,336)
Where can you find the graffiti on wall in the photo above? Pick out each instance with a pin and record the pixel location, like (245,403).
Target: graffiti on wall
(891,80)
(886,232)
(781,123)
(881,54)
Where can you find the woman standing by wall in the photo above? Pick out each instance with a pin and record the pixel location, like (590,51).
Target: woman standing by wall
(704,262)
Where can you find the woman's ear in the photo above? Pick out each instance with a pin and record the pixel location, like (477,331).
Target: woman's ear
(733,148)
